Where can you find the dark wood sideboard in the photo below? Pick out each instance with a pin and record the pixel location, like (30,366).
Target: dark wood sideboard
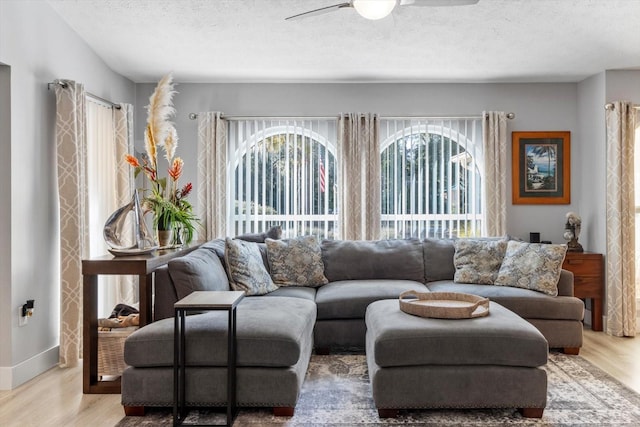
(588,281)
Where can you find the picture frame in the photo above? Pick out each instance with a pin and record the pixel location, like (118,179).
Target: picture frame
(541,168)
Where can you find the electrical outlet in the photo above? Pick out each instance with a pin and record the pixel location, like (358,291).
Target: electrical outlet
(22,320)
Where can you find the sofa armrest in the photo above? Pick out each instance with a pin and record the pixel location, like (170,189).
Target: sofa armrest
(164,294)
(565,284)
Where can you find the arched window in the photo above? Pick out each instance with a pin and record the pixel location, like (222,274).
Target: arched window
(431,181)
(283,172)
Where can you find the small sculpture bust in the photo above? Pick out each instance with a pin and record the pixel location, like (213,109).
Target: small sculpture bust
(572,232)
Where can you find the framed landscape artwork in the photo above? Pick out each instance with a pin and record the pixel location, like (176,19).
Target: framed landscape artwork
(541,168)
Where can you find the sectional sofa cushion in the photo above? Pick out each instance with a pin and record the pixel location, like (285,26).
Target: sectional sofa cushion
(349,299)
(377,259)
(478,260)
(262,341)
(273,233)
(246,269)
(524,302)
(296,262)
(200,270)
(532,266)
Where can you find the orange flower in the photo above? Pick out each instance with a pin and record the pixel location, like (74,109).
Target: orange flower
(176,168)
(132,160)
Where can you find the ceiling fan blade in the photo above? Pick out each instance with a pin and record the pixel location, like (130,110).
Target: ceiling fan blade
(435,3)
(320,11)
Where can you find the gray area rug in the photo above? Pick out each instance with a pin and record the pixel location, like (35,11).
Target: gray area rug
(336,392)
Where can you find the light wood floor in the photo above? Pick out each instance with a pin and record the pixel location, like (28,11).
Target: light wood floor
(55,398)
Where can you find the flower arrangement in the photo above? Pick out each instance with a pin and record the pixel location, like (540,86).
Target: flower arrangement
(168,201)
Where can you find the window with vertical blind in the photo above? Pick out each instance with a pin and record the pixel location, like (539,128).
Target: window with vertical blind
(283,172)
(431,181)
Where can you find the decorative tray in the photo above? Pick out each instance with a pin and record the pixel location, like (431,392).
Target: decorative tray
(132,251)
(444,305)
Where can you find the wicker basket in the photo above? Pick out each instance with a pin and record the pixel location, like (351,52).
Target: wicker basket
(111,350)
(444,305)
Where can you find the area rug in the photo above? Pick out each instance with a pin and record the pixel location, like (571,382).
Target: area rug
(336,392)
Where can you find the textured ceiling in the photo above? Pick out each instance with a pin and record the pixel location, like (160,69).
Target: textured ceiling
(249,41)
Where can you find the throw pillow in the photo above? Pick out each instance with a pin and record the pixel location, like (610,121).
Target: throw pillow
(534,266)
(246,269)
(478,260)
(273,233)
(296,262)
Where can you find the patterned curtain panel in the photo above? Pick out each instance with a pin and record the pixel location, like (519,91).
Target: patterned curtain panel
(72,189)
(359,176)
(212,175)
(620,272)
(494,183)
(126,286)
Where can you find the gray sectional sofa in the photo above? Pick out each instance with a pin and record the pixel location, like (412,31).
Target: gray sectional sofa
(277,332)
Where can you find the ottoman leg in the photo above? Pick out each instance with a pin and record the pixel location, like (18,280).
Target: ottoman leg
(531,412)
(387,413)
(283,411)
(574,351)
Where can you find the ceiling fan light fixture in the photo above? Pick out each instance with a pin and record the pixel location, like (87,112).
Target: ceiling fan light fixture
(374,9)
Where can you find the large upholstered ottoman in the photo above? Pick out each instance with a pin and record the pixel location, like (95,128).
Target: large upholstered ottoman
(487,362)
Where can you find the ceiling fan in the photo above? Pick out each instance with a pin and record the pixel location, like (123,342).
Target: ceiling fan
(378,9)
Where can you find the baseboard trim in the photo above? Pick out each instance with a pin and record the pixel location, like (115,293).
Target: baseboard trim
(12,377)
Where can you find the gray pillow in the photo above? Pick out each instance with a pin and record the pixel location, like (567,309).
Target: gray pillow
(478,260)
(376,259)
(246,269)
(274,233)
(201,270)
(438,259)
(296,262)
(533,266)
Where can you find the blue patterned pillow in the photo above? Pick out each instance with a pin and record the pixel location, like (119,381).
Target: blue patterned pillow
(296,262)
(534,266)
(478,260)
(246,269)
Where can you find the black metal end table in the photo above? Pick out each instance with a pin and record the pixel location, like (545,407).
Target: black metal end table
(203,301)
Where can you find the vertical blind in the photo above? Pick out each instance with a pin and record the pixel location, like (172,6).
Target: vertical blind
(431,177)
(283,172)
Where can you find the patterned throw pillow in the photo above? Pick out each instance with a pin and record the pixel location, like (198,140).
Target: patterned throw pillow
(296,262)
(534,266)
(478,261)
(246,269)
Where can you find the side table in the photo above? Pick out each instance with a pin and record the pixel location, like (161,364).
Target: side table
(588,281)
(201,301)
(142,266)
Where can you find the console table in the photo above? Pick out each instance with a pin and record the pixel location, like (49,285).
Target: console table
(588,281)
(142,266)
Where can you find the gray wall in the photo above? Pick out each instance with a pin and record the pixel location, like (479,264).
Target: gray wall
(537,107)
(39,47)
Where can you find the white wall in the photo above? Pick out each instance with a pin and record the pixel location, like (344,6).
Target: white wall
(590,162)
(39,47)
(537,107)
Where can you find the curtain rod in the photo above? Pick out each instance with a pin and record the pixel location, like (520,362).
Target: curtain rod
(609,106)
(64,85)
(194,116)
